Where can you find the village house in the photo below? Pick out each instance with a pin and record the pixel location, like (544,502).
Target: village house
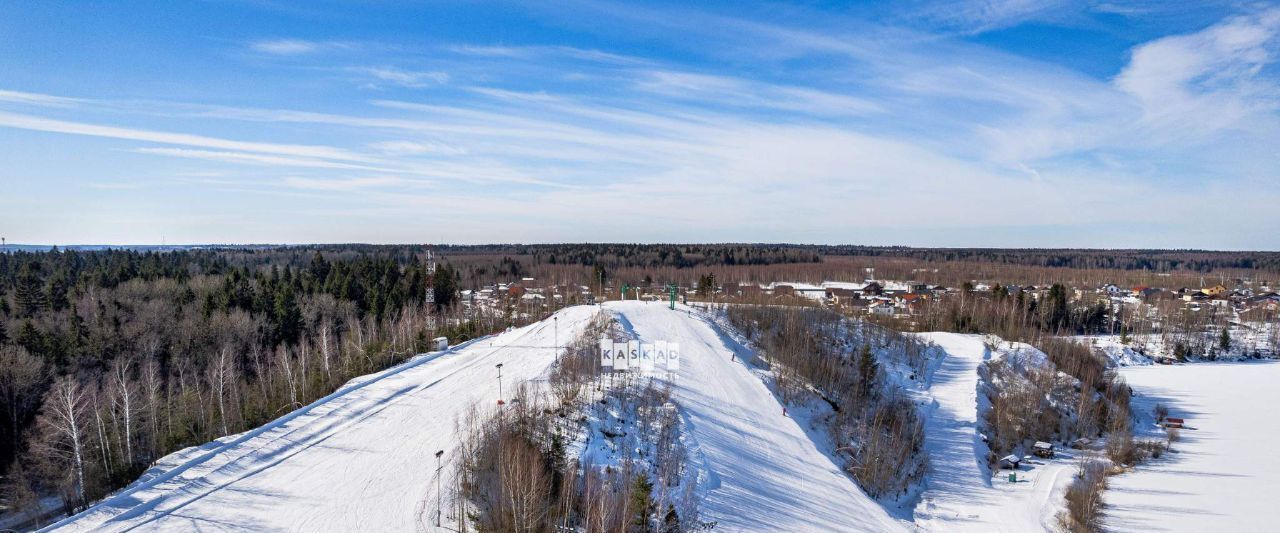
(1216,290)
(873,288)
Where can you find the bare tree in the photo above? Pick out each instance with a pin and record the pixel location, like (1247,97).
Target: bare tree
(124,397)
(222,373)
(21,375)
(63,419)
(152,384)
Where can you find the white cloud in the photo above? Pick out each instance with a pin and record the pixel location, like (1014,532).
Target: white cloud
(406,78)
(38,99)
(352,184)
(397,148)
(30,122)
(285,47)
(252,158)
(1200,83)
(978,16)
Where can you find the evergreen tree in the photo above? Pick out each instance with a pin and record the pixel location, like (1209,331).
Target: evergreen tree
(642,500)
(444,285)
(1224,340)
(286,317)
(706,284)
(29,292)
(59,286)
(868,371)
(671,523)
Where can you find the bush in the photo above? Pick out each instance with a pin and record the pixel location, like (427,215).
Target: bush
(1084,500)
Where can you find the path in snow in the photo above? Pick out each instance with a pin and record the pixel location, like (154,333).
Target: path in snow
(360,459)
(763,472)
(960,494)
(1224,476)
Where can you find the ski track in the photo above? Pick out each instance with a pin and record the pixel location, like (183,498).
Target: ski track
(960,493)
(764,472)
(360,459)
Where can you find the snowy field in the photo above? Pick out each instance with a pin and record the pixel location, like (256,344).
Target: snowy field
(1224,476)
(960,493)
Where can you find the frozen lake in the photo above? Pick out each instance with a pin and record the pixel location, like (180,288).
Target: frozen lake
(1224,476)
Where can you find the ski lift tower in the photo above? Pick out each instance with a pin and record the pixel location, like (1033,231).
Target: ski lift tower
(672,289)
(431,270)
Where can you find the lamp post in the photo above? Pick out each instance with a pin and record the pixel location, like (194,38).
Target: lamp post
(439,467)
(555,322)
(499,367)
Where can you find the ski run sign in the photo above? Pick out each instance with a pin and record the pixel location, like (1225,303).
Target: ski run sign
(635,356)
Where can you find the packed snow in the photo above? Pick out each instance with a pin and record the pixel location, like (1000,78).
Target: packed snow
(760,471)
(1223,475)
(960,492)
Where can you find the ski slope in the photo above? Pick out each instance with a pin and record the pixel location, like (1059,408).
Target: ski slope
(360,459)
(761,471)
(960,494)
(1223,475)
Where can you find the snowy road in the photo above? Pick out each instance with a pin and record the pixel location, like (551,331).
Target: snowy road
(361,459)
(960,494)
(763,473)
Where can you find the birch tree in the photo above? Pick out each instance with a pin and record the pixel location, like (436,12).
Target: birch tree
(124,397)
(63,420)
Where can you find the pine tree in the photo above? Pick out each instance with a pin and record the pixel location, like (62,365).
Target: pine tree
(444,285)
(642,500)
(287,317)
(671,523)
(29,292)
(868,371)
(1224,340)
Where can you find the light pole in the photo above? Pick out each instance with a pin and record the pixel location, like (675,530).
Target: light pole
(500,402)
(439,466)
(555,322)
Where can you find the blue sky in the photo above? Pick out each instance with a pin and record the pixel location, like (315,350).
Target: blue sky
(982,123)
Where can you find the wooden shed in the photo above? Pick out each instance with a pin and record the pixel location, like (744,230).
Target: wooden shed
(1044,449)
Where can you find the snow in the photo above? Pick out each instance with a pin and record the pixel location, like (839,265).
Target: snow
(1223,475)
(761,472)
(960,494)
(1118,353)
(360,459)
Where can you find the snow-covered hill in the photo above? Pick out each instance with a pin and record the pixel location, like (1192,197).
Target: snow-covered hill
(360,459)
(761,471)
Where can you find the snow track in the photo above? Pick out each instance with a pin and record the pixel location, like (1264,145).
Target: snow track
(360,459)
(762,472)
(960,494)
